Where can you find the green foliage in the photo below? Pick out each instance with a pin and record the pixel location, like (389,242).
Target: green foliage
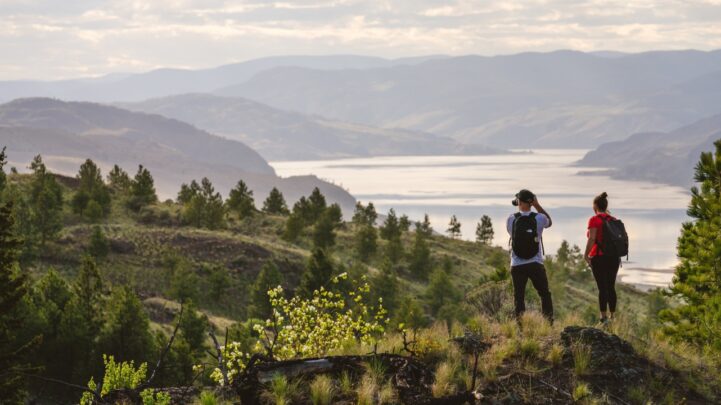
(364,215)
(13,290)
(385,287)
(420,263)
(318,272)
(697,281)
(150,396)
(194,327)
(202,206)
(325,227)
(117,376)
(240,200)
(391,232)
(92,199)
(183,283)
(125,332)
(404,224)
(321,390)
(316,206)
(99,246)
(484,231)
(454,228)
(366,242)
(3,176)
(119,181)
(142,190)
(275,203)
(40,214)
(441,292)
(268,278)
(425,227)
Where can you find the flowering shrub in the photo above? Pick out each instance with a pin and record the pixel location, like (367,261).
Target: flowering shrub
(117,376)
(309,327)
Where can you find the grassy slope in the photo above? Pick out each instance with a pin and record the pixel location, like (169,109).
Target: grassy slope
(142,253)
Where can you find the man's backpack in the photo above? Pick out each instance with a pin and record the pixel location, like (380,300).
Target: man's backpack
(524,238)
(615,238)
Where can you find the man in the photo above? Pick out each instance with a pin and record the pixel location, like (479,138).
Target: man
(526,229)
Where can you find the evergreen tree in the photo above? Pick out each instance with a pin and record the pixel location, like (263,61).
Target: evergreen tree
(391,232)
(385,286)
(214,210)
(99,246)
(13,289)
(187,192)
(268,278)
(293,227)
(118,180)
(316,206)
(240,200)
(697,281)
(411,314)
(184,284)
(366,242)
(364,216)
(3,176)
(318,272)
(92,199)
(441,291)
(484,231)
(404,223)
(425,227)
(275,203)
(142,190)
(126,331)
(325,227)
(454,228)
(420,256)
(194,326)
(45,205)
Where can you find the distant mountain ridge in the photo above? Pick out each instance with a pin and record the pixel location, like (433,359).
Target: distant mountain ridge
(66,133)
(164,82)
(663,157)
(283,135)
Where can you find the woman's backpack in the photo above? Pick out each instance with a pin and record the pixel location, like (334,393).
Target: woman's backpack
(615,238)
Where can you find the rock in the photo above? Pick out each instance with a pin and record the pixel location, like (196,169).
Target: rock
(610,355)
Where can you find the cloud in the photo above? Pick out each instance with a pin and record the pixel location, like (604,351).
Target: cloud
(47,39)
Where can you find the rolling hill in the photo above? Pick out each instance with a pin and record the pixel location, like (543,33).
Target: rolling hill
(282,135)
(557,99)
(66,133)
(664,157)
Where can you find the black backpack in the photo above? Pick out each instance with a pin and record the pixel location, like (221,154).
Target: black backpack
(524,238)
(615,238)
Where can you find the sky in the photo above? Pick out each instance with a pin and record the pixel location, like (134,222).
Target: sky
(51,39)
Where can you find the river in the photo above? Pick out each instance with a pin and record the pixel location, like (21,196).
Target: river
(471,186)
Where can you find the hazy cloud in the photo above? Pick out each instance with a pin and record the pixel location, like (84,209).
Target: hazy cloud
(49,39)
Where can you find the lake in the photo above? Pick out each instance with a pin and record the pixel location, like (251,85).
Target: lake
(471,186)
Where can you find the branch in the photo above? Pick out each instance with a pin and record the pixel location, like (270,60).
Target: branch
(221,364)
(166,349)
(61,382)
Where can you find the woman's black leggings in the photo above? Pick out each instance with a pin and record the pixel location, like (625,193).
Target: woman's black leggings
(605,269)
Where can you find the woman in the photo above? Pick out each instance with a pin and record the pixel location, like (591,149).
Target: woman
(604,267)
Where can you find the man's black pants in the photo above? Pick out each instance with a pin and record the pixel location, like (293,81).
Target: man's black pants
(537,273)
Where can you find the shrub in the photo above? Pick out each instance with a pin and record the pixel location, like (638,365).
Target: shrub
(581,358)
(321,390)
(581,391)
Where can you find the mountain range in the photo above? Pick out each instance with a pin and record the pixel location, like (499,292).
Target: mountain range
(66,133)
(663,157)
(284,135)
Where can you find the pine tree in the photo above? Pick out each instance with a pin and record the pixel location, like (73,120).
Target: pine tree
(318,272)
(3,176)
(441,291)
(696,282)
(454,228)
(366,242)
(325,227)
(240,200)
(45,205)
(268,278)
(391,232)
(420,256)
(118,180)
(214,210)
(99,246)
(425,227)
(126,331)
(385,286)
(275,203)
(92,199)
(484,231)
(364,216)
(404,223)
(187,192)
(13,289)
(142,190)
(316,206)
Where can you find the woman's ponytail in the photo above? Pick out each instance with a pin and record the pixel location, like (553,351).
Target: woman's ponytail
(601,201)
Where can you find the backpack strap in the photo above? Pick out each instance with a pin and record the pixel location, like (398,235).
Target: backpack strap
(513,228)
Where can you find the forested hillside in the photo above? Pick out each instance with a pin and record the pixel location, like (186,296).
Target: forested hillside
(111,296)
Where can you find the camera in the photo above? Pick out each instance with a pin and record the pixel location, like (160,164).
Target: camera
(515,202)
